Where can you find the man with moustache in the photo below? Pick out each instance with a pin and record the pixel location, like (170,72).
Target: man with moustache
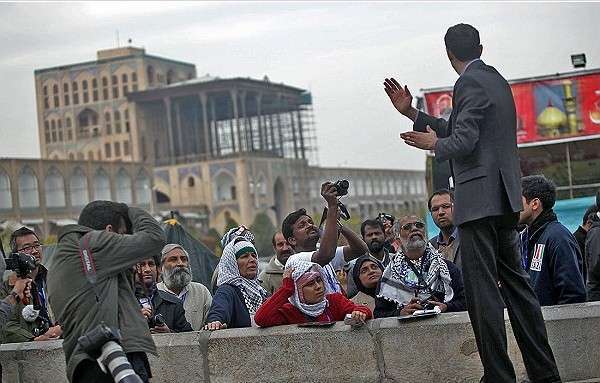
(156,302)
(417,274)
(177,280)
(480,141)
(271,277)
(441,207)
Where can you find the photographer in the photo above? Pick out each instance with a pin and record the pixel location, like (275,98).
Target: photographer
(110,239)
(39,325)
(592,257)
(163,311)
(301,233)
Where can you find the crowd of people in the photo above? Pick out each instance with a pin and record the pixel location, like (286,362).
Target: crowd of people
(390,269)
(115,269)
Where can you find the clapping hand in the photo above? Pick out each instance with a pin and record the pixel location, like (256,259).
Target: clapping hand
(399,96)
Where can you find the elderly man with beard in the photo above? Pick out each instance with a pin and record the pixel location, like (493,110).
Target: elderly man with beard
(177,280)
(271,278)
(163,311)
(418,274)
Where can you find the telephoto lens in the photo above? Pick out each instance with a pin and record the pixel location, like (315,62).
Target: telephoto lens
(114,358)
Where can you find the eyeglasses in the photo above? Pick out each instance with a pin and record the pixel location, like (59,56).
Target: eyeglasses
(30,248)
(418,225)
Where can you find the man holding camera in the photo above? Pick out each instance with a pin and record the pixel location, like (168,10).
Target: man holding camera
(37,324)
(91,282)
(163,311)
(303,235)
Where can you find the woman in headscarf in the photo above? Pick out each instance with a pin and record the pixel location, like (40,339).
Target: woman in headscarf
(303,297)
(239,293)
(366,274)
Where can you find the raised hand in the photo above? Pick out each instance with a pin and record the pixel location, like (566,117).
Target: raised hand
(399,96)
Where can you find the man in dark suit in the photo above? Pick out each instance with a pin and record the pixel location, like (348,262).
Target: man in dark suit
(480,140)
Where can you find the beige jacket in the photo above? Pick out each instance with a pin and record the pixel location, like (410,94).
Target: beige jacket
(196,302)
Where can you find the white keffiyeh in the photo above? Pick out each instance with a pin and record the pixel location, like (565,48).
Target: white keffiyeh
(229,272)
(300,268)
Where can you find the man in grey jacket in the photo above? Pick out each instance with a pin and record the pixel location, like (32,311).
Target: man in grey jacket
(480,141)
(118,237)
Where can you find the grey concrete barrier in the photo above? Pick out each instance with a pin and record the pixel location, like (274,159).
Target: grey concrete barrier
(440,349)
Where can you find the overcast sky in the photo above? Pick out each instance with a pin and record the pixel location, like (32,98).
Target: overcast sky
(340,51)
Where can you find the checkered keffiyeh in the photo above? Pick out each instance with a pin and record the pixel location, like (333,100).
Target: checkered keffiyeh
(301,268)
(233,233)
(229,272)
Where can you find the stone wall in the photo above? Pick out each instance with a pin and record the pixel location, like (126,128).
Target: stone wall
(437,350)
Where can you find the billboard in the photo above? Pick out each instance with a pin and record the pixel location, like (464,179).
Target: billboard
(547,109)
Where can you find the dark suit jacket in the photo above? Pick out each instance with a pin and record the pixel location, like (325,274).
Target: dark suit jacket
(481,142)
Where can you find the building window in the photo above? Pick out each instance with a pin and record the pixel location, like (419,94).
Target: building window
(115,87)
(47,131)
(55,94)
(46,102)
(84,89)
(101,186)
(104,88)
(69,135)
(190,182)
(5,192)
(126,118)
(134,85)
(117,149)
(94,90)
(143,189)
(53,130)
(124,81)
(150,74)
(28,189)
(79,188)
(170,76)
(123,187)
(125,148)
(75,90)
(60,130)
(117,122)
(107,125)
(54,187)
(224,188)
(107,150)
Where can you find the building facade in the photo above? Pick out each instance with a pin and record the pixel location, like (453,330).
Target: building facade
(48,194)
(83,111)
(215,148)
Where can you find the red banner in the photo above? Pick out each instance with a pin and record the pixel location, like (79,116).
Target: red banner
(547,109)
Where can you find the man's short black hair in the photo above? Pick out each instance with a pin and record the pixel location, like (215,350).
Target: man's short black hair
(99,214)
(538,186)
(590,214)
(21,232)
(440,192)
(371,223)
(463,41)
(273,238)
(287,227)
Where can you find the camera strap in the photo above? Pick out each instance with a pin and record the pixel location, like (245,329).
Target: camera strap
(87,262)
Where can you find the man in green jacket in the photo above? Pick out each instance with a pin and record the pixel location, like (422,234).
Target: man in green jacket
(119,237)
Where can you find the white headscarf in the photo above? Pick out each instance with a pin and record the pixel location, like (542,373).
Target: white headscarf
(229,272)
(300,268)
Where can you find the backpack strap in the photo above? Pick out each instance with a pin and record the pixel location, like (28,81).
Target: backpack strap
(88,264)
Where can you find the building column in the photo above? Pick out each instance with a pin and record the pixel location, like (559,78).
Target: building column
(300,133)
(214,123)
(233,94)
(167,103)
(244,120)
(205,127)
(294,134)
(178,126)
(259,117)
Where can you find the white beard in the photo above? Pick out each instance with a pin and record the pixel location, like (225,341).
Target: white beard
(177,278)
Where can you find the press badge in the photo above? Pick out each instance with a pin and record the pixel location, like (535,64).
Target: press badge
(538,255)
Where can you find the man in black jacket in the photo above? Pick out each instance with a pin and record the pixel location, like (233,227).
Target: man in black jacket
(589,217)
(163,310)
(480,141)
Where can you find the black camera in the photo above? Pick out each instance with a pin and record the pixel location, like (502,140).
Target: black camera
(103,343)
(156,321)
(341,187)
(22,263)
(42,326)
(93,341)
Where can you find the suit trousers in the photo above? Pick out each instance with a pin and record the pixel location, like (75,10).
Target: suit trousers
(490,253)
